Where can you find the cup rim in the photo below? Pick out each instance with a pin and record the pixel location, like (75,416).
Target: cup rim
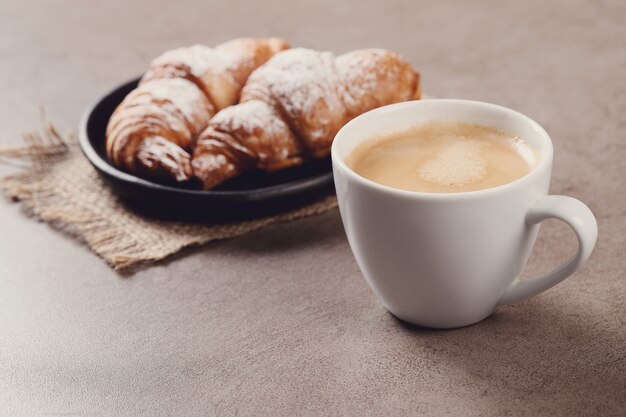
(547,152)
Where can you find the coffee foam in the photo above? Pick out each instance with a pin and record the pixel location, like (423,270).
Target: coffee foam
(458,163)
(444,157)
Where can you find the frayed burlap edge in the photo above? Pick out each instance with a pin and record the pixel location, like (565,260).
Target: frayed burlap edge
(58,186)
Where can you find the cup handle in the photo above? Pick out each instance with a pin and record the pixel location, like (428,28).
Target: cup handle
(578,216)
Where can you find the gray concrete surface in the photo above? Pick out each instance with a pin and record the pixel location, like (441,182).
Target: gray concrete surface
(280,322)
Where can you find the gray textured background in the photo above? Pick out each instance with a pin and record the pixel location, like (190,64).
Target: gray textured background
(280,322)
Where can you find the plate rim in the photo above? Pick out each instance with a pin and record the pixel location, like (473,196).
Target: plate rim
(110,170)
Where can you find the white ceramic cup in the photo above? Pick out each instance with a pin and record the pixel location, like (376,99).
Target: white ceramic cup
(447,260)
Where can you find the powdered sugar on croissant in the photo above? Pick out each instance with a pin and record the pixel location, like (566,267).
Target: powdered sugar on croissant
(220,72)
(165,114)
(243,137)
(303,86)
(153,130)
(313,94)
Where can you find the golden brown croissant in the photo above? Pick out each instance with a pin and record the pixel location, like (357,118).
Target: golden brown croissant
(292,107)
(152,131)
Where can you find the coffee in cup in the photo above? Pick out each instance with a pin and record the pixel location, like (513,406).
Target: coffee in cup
(444,157)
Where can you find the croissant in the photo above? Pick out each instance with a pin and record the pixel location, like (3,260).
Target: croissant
(292,107)
(152,132)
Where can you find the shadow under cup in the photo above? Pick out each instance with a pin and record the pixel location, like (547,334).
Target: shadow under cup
(440,260)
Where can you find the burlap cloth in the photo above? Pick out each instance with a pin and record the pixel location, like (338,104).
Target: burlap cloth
(57,185)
